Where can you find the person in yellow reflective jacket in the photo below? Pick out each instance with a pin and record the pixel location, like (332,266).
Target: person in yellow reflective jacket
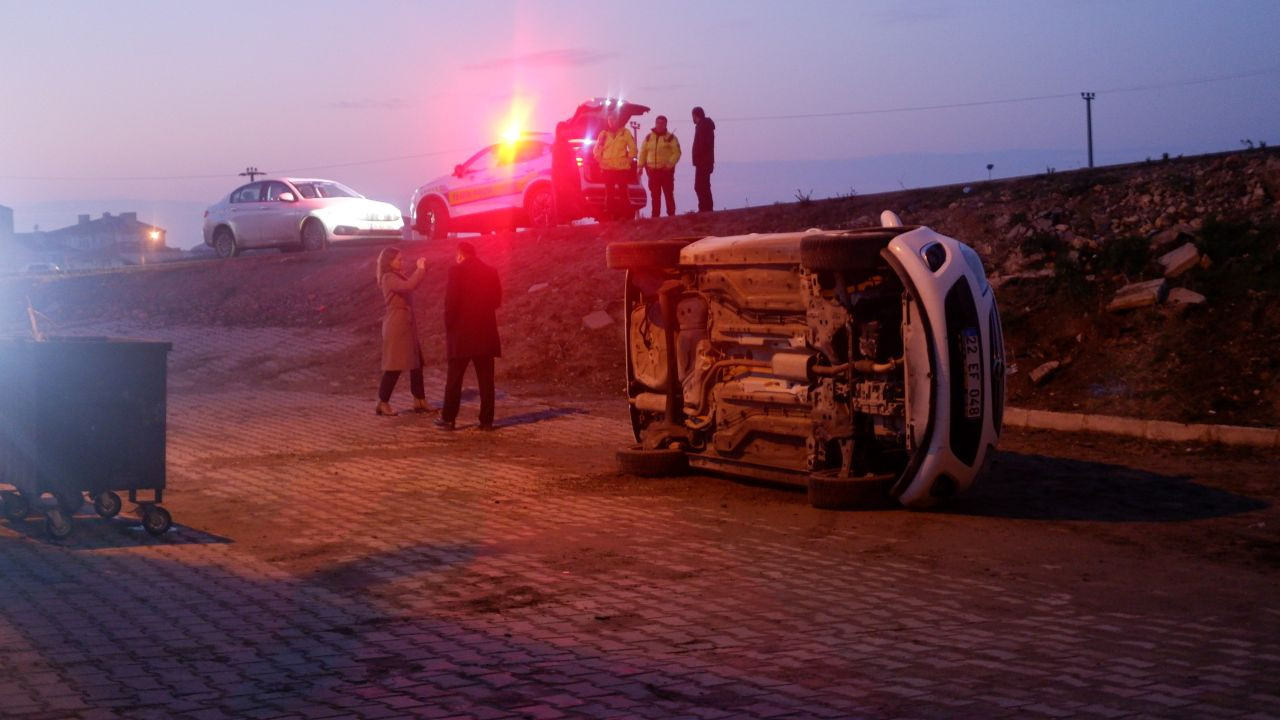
(658,157)
(615,150)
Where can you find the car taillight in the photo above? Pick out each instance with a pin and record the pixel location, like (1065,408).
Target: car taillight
(579,161)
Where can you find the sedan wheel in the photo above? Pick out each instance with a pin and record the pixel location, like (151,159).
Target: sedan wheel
(224,243)
(314,236)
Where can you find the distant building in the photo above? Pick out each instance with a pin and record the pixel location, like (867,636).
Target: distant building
(105,242)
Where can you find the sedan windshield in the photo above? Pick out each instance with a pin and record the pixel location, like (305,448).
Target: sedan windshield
(313,189)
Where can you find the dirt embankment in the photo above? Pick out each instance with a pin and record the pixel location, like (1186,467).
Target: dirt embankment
(1057,245)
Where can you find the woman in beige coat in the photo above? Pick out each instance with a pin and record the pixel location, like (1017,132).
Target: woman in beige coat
(400,348)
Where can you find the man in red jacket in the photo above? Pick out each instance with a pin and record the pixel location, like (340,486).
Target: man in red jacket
(472,294)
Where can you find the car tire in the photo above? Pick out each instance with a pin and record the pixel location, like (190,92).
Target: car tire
(842,252)
(635,460)
(433,220)
(224,243)
(314,238)
(644,255)
(540,207)
(829,491)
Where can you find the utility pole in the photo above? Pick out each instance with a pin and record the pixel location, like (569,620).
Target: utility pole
(253,172)
(1088,118)
(635,131)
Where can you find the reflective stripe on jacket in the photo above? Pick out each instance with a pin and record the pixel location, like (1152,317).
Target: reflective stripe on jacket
(660,152)
(615,149)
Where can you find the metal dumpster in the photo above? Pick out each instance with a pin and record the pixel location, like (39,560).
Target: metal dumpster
(83,416)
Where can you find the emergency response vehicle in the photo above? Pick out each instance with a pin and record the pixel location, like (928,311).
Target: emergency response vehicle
(509,184)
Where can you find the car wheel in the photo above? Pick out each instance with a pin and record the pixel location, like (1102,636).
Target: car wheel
(645,255)
(224,243)
(314,236)
(433,220)
(842,252)
(635,460)
(540,206)
(829,491)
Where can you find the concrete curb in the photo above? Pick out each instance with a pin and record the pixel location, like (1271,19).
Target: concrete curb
(1159,430)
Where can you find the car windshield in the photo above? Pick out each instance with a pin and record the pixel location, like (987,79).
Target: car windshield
(312,189)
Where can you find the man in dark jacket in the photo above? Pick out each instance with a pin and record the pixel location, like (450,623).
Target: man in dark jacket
(565,176)
(704,157)
(471,296)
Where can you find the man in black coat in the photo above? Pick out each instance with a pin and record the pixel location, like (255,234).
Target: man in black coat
(704,157)
(471,296)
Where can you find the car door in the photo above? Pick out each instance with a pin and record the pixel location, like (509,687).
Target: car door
(249,215)
(532,161)
(477,185)
(283,218)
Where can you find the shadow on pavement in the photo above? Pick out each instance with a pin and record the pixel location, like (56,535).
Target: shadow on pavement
(537,416)
(90,532)
(255,646)
(1039,487)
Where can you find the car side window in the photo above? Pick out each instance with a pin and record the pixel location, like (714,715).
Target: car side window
(249,193)
(274,189)
(527,151)
(486,159)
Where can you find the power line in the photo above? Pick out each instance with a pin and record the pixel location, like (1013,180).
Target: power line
(745,118)
(886,111)
(223,176)
(1003,101)
(370,162)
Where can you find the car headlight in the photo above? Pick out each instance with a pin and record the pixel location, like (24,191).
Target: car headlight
(935,256)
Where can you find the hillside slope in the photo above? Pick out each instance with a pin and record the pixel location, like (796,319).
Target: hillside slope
(1058,246)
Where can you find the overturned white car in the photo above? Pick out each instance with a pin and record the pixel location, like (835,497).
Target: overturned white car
(863,364)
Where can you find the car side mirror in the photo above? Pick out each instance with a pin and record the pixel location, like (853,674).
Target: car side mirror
(287,197)
(459,171)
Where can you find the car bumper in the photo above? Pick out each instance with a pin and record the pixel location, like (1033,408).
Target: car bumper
(959,357)
(347,231)
(596,196)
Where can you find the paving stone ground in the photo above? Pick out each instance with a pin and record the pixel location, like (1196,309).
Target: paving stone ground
(414,580)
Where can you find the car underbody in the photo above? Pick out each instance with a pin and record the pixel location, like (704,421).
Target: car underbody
(798,358)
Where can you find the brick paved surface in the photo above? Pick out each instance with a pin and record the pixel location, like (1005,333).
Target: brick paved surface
(433,595)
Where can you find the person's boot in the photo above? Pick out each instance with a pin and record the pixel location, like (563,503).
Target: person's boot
(421,407)
(384,409)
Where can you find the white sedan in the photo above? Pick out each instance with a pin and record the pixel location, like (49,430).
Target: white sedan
(296,214)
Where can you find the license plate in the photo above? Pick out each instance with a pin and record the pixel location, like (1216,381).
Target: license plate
(972,344)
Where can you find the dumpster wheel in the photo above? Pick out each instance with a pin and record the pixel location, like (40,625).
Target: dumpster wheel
(14,506)
(57,523)
(107,504)
(156,520)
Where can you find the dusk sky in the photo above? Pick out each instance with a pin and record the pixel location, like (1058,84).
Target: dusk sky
(155,106)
